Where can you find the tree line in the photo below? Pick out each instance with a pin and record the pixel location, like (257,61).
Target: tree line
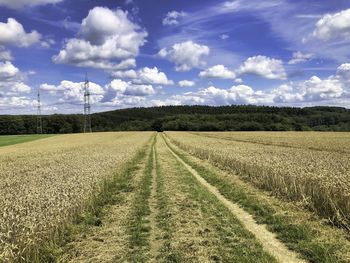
(188,118)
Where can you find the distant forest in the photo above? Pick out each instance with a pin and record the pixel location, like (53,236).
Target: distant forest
(188,118)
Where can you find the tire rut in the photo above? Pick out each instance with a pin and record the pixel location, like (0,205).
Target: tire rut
(267,239)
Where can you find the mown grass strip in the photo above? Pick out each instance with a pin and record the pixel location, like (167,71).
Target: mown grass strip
(110,194)
(222,235)
(139,224)
(167,253)
(299,237)
(7,140)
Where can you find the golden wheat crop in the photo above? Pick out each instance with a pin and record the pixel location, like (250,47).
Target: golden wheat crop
(329,141)
(313,170)
(45,183)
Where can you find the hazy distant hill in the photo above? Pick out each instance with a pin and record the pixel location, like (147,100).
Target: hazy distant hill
(197,118)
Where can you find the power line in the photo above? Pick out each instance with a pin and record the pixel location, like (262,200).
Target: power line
(39,123)
(87,107)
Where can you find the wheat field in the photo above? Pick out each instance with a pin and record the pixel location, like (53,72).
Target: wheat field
(176,197)
(44,184)
(312,168)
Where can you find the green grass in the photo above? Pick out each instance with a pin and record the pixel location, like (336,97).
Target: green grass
(310,239)
(6,140)
(167,254)
(139,228)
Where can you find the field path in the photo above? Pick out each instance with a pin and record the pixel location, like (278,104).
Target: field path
(267,239)
(107,242)
(155,233)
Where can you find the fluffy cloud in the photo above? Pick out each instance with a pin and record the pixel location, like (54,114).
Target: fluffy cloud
(127,74)
(171,18)
(22,3)
(8,71)
(20,87)
(123,94)
(12,80)
(263,66)
(145,75)
(5,55)
(109,40)
(185,55)
(130,89)
(333,26)
(12,33)
(343,72)
(299,57)
(218,71)
(240,94)
(314,91)
(15,102)
(73,92)
(186,83)
(153,76)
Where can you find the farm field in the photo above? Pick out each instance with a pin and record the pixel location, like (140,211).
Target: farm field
(14,139)
(312,168)
(176,197)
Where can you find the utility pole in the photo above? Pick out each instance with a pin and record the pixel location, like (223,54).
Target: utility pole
(39,123)
(87,107)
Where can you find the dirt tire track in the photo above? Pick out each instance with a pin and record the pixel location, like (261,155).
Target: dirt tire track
(267,239)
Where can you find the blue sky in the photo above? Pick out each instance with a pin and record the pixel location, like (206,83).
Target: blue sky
(153,52)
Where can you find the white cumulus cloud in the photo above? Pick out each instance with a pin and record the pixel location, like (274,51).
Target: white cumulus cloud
(333,26)
(127,74)
(314,91)
(108,40)
(263,66)
(5,55)
(8,71)
(144,75)
(186,83)
(13,33)
(73,92)
(12,80)
(129,89)
(218,71)
(153,76)
(186,55)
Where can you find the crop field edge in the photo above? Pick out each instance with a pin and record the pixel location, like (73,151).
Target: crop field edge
(300,238)
(51,249)
(18,139)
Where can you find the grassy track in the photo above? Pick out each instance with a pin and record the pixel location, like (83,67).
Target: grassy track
(139,222)
(299,229)
(102,232)
(203,229)
(15,139)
